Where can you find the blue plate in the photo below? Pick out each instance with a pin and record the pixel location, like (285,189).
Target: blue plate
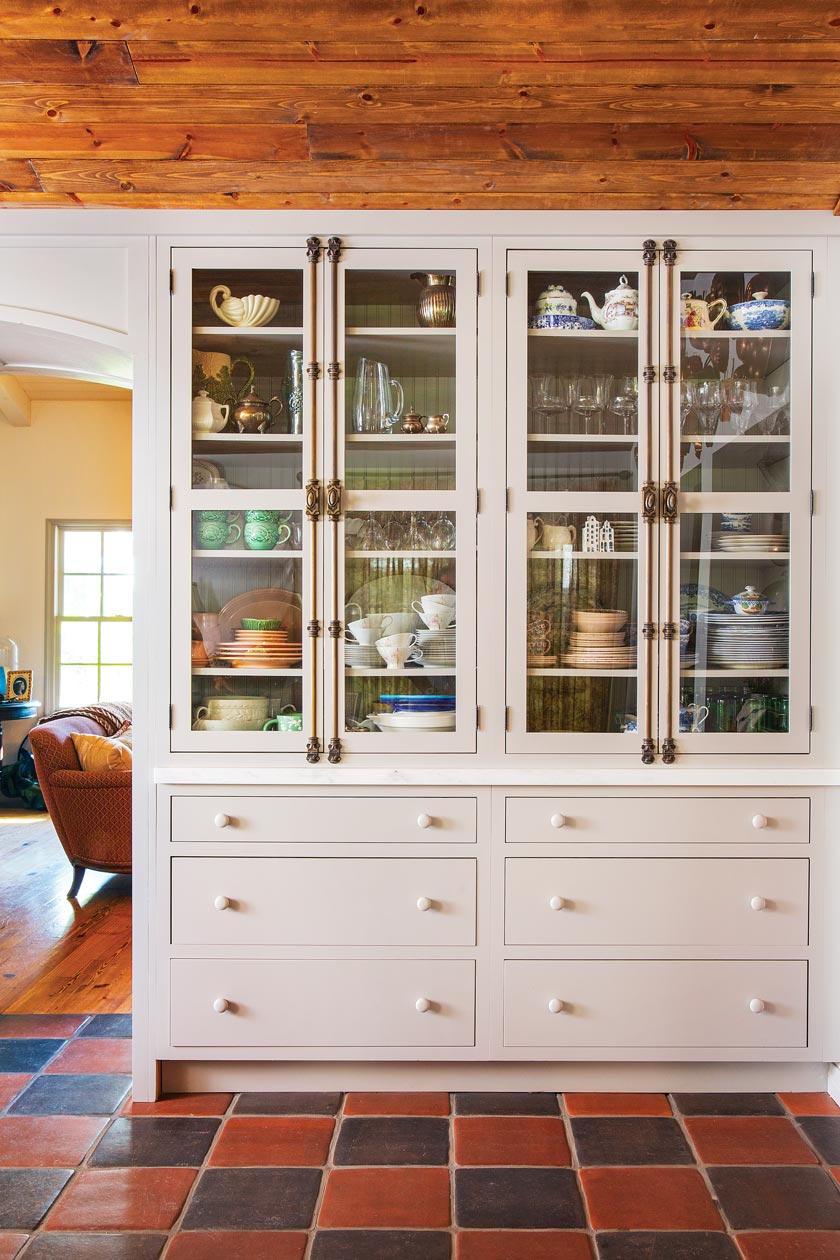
(388,699)
(564,323)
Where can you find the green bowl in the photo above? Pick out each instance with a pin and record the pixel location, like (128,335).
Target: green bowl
(258,623)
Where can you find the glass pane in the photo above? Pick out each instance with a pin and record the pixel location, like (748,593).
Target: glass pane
(242,342)
(119,555)
(734,627)
(82,596)
(79,642)
(247,619)
(115,682)
(116,642)
(117,595)
(581,622)
(82,551)
(400,647)
(735,388)
(77,684)
(400,408)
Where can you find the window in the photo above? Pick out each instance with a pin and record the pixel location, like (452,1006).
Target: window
(91,621)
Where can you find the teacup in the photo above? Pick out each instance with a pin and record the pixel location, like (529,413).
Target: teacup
(400,622)
(368,629)
(263,535)
(214,535)
(736,522)
(436,616)
(262,516)
(227,724)
(396,649)
(440,599)
(692,717)
(254,708)
(216,514)
(286,720)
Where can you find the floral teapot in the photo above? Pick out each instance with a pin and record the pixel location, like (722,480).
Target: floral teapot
(555,300)
(620,311)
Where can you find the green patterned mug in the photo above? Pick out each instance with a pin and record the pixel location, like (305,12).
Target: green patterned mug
(285,721)
(215,514)
(214,535)
(262,536)
(262,516)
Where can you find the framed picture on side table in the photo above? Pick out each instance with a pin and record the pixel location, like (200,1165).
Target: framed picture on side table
(19,684)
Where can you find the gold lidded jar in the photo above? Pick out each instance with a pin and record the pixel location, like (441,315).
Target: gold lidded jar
(436,304)
(412,422)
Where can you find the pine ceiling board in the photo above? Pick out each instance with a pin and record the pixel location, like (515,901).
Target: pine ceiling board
(815,178)
(422,19)
(238,106)
(17,175)
(286,143)
(64,61)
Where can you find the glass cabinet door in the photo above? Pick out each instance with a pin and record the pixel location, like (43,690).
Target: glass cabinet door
(243,447)
(739,456)
(403,551)
(580,582)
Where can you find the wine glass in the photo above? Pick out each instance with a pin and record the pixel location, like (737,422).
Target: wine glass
(688,404)
(566,395)
(442,534)
(394,534)
(417,534)
(709,403)
(626,403)
(741,400)
(592,395)
(778,418)
(371,537)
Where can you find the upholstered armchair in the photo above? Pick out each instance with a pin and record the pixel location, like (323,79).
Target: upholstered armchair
(90,809)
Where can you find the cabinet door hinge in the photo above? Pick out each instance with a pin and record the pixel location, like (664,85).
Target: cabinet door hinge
(171,498)
(479,283)
(813,284)
(810,717)
(507,717)
(171,279)
(507,498)
(478,717)
(171,716)
(477,501)
(507,283)
(813,502)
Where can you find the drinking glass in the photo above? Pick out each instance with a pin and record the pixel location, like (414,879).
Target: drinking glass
(442,534)
(417,534)
(709,403)
(394,534)
(626,403)
(778,418)
(741,399)
(688,404)
(371,537)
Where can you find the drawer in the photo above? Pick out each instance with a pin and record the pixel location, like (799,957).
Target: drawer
(656,901)
(326,819)
(651,1003)
(323,901)
(332,1002)
(655,820)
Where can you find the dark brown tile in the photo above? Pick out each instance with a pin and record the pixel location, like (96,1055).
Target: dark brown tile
(617,1104)
(517,1198)
(27,1054)
(728,1104)
(386,1198)
(506,1105)
(777,1198)
(630,1140)
(273,1141)
(254,1198)
(521,1244)
(155,1142)
(60,1026)
(122,1199)
(510,1141)
(97,1246)
(381,1244)
(824,1133)
(396,1104)
(790,1246)
(27,1194)
(276,1104)
(71,1096)
(392,1140)
(748,1140)
(107,1026)
(237,1245)
(47,1141)
(649,1199)
(666,1246)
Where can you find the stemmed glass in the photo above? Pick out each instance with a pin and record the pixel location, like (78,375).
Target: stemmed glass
(443,534)
(417,534)
(626,403)
(741,400)
(778,418)
(394,534)
(592,395)
(708,405)
(371,537)
(688,404)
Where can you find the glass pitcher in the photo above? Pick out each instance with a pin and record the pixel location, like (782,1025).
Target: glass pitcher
(378,401)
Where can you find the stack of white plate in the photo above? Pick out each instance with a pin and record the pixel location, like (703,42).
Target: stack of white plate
(438,647)
(414,721)
(361,656)
(626,535)
(749,542)
(750,642)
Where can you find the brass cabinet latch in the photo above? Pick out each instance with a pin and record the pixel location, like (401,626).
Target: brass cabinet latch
(648,502)
(648,752)
(334,752)
(669,751)
(670,503)
(334,500)
(313,499)
(313,750)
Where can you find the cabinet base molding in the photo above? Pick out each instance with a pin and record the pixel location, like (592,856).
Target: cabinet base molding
(192,1076)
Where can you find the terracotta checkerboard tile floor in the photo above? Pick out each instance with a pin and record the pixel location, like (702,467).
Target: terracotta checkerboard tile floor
(87,1175)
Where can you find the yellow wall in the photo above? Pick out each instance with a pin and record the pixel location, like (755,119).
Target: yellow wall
(72,463)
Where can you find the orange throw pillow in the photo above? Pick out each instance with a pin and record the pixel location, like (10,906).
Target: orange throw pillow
(95,752)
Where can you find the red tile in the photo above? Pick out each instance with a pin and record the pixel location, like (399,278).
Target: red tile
(810,1104)
(237,1245)
(525,1244)
(274,1141)
(386,1198)
(10,1245)
(649,1198)
(835,1172)
(63,1026)
(181,1105)
(539,1141)
(11,1083)
(94,1055)
(813,1245)
(47,1141)
(122,1199)
(748,1140)
(362,1104)
(617,1104)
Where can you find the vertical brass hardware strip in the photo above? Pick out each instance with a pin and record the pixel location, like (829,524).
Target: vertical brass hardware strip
(670,505)
(648,508)
(334,493)
(313,500)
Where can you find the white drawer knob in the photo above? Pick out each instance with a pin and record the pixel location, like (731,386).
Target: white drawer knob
(758,903)
(756,1006)
(222,903)
(759,821)
(423,903)
(422,1005)
(424,821)
(220,1005)
(222,820)
(555,1006)
(558,820)
(556,903)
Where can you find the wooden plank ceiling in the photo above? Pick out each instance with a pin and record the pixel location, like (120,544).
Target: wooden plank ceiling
(472,104)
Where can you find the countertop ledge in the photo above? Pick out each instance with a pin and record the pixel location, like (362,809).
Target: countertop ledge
(434,777)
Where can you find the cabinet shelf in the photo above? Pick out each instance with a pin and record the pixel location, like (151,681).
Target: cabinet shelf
(583,555)
(400,555)
(586,334)
(447,671)
(408,441)
(772,556)
(584,439)
(211,671)
(247,555)
(758,672)
(755,334)
(264,332)
(778,438)
(236,443)
(582,673)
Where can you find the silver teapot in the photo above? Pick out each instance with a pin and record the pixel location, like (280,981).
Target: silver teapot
(252,415)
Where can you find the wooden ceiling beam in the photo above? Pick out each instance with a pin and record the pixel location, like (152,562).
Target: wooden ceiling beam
(158,141)
(65,61)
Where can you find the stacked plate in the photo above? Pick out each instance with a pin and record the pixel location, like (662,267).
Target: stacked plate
(598,641)
(749,542)
(416,713)
(259,649)
(438,647)
(754,642)
(541,660)
(361,656)
(626,535)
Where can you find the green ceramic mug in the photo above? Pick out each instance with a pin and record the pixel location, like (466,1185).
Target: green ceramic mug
(287,720)
(215,514)
(262,536)
(215,535)
(262,516)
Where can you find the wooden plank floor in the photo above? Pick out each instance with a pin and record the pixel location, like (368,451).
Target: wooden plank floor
(56,956)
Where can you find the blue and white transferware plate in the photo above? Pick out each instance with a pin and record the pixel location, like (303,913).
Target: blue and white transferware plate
(562,323)
(696,598)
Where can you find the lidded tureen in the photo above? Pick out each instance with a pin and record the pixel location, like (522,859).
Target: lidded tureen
(555,300)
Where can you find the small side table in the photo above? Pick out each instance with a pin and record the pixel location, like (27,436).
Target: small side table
(16,711)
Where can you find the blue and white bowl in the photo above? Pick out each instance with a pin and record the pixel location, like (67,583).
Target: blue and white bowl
(760,315)
(563,323)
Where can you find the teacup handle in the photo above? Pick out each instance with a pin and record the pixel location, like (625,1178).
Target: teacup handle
(201,712)
(284,533)
(233,538)
(539,526)
(355,616)
(573,532)
(385,622)
(415,655)
(418,607)
(701,712)
(445,419)
(225,410)
(721,302)
(271,725)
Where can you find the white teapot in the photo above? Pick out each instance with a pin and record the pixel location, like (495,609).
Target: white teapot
(621,307)
(208,416)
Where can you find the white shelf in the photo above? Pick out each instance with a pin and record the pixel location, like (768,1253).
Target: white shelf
(410,441)
(582,673)
(584,334)
(735,555)
(585,439)
(735,437)
(756,334)
(447,671)
(239,334)
(400,555)
(583,555)
(400,332)
(272,554)
(233,443)
(248,672)
(758,672)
